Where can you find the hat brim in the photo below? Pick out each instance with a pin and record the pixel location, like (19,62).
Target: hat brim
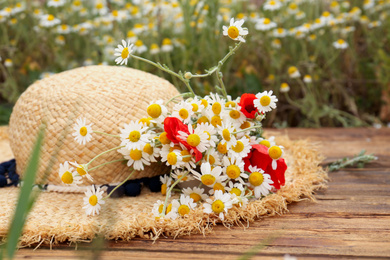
(59,217)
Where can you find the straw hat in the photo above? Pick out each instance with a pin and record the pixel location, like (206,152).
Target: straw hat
(108,96)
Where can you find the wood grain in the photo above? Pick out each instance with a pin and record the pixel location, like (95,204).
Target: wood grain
(350,220)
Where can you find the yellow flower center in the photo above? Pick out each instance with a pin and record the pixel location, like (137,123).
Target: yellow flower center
(67,177)
(83,131)
(163,189)
(203,119)
(99,6)
(275,152)
(172,158)
(195,196)
(266,21)
(125,53)
(239,147)
(81,171)
(130,34)
(292,70)
(145,120)
(93,200)
(204,102)
(210,159)
(266,143)
(160,208)
(325,14)
(226,134)
(134,136)
(148,149)
(222,148)
(166,41)
(284,85)
(183,210)
(193,140)
(195,107)
(154,110)
(218,206)
(50,17)
(256,178)
(64,27)
(216,107)
(219,186)
(163,138)
(230,103)
(233,32)
(216,120)
(234,114)
(183,113)
(76,3)
(138,43)
(341,41)
(186,153)
(236,191)
(209,135)
(207,179)
(245,125)
(233,171)
(135,154)
(265,100)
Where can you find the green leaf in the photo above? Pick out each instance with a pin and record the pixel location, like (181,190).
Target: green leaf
(25,201)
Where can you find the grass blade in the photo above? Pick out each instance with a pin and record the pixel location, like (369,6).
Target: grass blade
(25,201)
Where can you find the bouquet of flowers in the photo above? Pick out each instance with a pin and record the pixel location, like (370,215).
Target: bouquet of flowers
(214,143)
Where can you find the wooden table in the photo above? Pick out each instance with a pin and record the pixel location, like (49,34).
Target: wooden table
(351,218)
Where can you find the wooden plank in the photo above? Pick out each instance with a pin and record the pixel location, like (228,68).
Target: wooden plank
(351,219)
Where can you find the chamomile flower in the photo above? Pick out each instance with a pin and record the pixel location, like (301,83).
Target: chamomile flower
(63,29)
(235,30)
(183,111)
(173,159)
(8,63)
(151,151)
(123,52)
(157,110)
(154,49)
(275,152)
(209,176)
(68,176)
(226,131)
(56,3)
(211,157)
(279,32)
(240,149)
(293,72)
(220,204)
(265,101)
(82,170)
(48,20)
(264,24)
(237,192)
(136,158)
(196,138)
(134,135)
(158,208)
(82,132)
(92,200)
(166,181)
(139,47)
(196,104)
(178,173)
(268,142)
(276,43)
(307,79)
(195,193)
(131,36)
(272,5)
(166,45)
(235,116)
(284,87)
(186,204)
(340,44)
(259,181)
(234,168)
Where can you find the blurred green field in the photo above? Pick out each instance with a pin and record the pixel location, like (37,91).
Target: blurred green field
(336,86)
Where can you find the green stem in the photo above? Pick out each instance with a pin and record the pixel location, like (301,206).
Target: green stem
(128,177)
(223,89)
(119,160)
(246,129)
(97,156)
(102,133)
(170,190)
(180,95)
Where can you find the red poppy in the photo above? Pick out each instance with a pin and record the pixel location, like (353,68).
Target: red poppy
(259,157)
(172,126)
(247,106)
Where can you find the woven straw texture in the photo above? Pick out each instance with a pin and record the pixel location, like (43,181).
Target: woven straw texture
(59,217)
(106,96)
